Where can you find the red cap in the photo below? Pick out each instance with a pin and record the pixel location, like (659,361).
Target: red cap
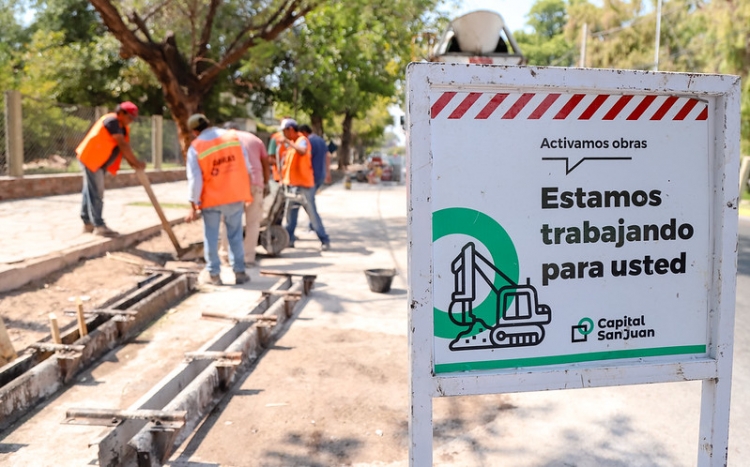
(130,108)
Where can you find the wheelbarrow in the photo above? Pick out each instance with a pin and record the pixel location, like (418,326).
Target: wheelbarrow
(273,236)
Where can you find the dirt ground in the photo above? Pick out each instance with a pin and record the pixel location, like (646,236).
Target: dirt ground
(26,311)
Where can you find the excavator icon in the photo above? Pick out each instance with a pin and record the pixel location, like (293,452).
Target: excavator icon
(519,320)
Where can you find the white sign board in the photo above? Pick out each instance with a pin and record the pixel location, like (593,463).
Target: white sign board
(569,228)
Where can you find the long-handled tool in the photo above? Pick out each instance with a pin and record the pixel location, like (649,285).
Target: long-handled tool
(194,250)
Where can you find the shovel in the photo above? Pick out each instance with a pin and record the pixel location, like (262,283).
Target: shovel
(194,250)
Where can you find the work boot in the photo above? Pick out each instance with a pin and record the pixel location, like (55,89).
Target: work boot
(88,228)
(325,246)
(213,279)
(104,231)
(241,278)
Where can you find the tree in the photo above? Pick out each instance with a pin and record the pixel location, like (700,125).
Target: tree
(12,39)
(547,44)
(206,39)
(727,44)
(346,56)
(71,48)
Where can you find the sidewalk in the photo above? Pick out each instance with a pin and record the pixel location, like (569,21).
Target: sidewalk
(37,232)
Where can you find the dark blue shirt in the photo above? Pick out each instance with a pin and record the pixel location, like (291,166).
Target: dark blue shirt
(319,150)
(112,124)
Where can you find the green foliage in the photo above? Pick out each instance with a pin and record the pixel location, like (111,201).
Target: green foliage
(76,19)
(547,44)
(370,130)
(345,56)
(12,38)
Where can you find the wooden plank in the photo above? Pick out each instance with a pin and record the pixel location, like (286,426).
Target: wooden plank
(239,319)
(82,329)
(213,355)
(141,414)
(54,329)
(52,347)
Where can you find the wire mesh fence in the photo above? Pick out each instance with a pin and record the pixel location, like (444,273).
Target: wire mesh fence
(52,131)
(140,139)
(172,153)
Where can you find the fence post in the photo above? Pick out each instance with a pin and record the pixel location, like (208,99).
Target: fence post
(157,142)
(14,133)
(99,112)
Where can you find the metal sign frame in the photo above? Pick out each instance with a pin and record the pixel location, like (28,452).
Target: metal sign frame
(722,93)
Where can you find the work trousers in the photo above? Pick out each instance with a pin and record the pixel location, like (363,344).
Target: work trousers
(307,200)
(253,216)
(92,195)
(233,222)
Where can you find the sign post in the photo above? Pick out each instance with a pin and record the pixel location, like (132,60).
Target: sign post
(571,228)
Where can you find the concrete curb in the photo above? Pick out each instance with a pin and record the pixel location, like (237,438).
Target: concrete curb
(26,272)
(46,378)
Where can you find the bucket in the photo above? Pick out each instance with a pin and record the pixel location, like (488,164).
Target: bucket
(380,280)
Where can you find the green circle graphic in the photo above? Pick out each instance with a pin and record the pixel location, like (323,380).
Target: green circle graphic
(487,231)
(590,326)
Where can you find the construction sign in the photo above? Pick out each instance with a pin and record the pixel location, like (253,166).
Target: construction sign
(572,205)
(569,228)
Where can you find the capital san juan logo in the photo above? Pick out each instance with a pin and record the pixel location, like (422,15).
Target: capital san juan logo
(511,315)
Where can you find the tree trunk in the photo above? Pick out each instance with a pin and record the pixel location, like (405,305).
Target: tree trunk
(316,122)
(361,156)
(346,141)
(186,80)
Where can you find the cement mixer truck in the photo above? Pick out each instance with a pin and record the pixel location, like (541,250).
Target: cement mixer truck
(479,37)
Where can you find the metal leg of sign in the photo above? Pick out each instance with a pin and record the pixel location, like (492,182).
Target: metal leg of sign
(420,429)
(714,430)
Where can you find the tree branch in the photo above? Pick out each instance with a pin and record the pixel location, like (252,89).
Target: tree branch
(156,9)
(131,45)
(141,25)
(279,22)
(206,33)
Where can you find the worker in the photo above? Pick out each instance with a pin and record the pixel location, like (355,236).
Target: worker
(276,151)
(321,157)
(321,162)
(259,177)
(299,179)
(102,149)
(218,173)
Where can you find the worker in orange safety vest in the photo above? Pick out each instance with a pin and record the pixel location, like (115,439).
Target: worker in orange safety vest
(102,149)
(299,180)
(218,173)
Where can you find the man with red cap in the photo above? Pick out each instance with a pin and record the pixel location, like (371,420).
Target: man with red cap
(102,149)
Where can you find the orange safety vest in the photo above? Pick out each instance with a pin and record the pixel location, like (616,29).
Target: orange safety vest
(279,156)
(97,146)
(225,176)
(298,169)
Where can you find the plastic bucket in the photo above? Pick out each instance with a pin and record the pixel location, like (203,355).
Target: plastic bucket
(380,280)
